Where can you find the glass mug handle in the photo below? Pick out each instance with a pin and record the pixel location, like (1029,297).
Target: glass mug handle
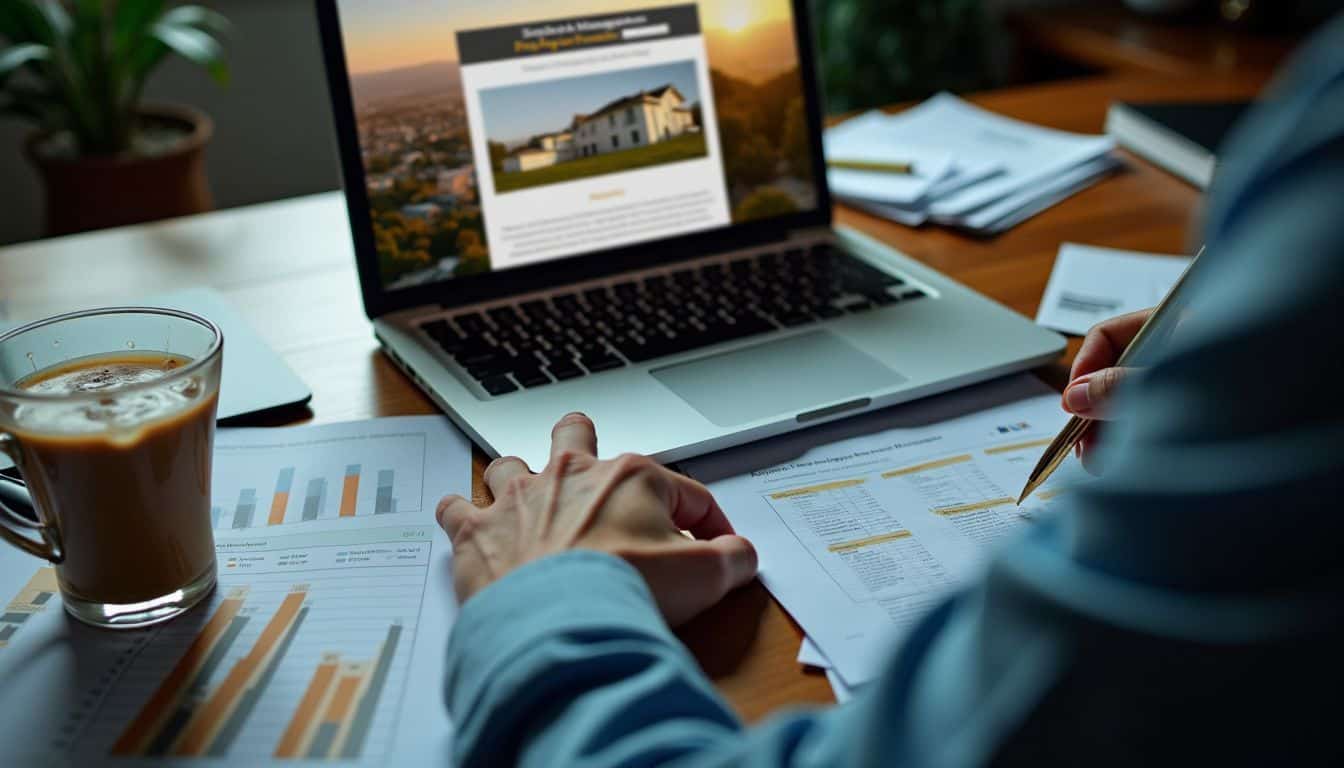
(13,525)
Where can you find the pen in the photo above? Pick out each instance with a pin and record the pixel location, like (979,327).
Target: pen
(872,166)
(1059,448)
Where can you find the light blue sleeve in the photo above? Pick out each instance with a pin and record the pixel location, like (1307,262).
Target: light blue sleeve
(1190,606)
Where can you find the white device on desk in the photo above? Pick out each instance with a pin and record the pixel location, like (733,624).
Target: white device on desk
(626,214)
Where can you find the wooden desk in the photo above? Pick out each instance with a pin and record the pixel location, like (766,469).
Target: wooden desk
(1124,43)
(288,266)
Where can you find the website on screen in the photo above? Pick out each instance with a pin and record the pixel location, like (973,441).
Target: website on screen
(497,137)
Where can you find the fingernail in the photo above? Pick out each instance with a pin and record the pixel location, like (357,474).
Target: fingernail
(1077,398)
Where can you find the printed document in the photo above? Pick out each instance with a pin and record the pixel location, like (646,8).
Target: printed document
(864,525)
(324,639)
(1091,284)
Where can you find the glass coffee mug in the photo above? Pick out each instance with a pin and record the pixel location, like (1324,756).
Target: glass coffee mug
(109,416)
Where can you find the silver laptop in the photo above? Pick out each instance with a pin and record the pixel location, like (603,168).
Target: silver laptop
(574,206)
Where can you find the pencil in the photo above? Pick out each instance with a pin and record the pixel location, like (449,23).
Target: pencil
(1059,448)
(871,166)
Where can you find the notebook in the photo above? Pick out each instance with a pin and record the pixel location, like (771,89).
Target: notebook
(1182,138)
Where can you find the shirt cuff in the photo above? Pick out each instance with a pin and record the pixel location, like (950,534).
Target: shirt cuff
(573,593)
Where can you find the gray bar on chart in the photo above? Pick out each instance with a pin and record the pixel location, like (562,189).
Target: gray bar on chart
(196,691)
(383,502)
(6,631)
(368,703)
(15,617)
(42,598)
(247,505)
(224,739)
(326,734)
(315,499)
(285,482)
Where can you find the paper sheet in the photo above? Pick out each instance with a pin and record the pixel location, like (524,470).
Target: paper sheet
(370,570)
(1029,154)
(811,656)
(864,525)
(1090,284)
(866,138)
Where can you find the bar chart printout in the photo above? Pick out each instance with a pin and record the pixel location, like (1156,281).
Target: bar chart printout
(333,717)
(183,717)
(325,473)
(34,598)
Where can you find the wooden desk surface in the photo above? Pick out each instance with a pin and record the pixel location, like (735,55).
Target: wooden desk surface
(1123,42)
(288,267)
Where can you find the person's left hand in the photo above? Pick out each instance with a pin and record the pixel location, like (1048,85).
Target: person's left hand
(629,507)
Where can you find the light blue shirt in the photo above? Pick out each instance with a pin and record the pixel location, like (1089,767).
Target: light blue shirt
(1187,608)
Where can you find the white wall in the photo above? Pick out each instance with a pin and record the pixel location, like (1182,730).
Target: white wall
(273,127)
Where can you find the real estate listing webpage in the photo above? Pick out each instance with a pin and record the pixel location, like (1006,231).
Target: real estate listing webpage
(602,136)
(500,137)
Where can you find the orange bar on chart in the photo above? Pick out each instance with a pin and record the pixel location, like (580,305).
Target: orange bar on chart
(151,717)
(305,715)
(210,716)
(344,700)
(350,490)
(281,499)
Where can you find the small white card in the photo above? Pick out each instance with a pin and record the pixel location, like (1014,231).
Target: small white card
(1090,284)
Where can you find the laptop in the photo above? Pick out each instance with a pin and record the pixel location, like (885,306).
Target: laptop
(584,206)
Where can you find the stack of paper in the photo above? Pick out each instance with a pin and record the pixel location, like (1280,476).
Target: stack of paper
(864,525)
(1091,284)
(973,169)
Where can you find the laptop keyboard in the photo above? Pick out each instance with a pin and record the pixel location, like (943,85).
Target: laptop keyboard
(532,344)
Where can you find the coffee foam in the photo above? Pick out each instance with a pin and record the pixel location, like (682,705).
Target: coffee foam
(113,409)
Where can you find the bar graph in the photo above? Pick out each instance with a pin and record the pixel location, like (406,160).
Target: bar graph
(245,509)
(333,717)
(280,500)
(349,490)
(259,485)
(33,599)
(300,662)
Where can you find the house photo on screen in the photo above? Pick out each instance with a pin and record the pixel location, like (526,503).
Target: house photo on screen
(575,128)
(499,135)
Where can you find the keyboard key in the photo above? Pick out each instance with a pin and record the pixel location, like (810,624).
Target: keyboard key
(910,295)
(564,370)
(599,364)
(531,377)
(859,306)
(499,385)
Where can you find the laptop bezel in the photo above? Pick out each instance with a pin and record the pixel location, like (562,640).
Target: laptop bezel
(494,285)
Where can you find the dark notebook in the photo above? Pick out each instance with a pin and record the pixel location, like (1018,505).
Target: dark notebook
(1183,138)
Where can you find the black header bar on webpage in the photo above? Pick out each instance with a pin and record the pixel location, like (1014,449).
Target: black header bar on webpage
(541,38)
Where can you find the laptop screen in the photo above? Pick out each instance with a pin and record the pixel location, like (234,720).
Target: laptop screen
(496,135)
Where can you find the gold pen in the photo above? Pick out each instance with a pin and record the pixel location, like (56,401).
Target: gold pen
(1154,327)
(871,166)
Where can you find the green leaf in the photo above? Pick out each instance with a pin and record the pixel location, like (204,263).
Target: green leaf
(14,58)
(22,21)
(195,46)
(57,18)
(199,17)
(131,22)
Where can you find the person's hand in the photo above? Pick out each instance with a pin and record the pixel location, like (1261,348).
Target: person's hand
(1095,377)
(629,506)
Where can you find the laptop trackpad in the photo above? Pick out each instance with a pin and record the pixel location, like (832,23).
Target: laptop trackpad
(784,377)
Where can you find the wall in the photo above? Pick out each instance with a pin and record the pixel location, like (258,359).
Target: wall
(273,127)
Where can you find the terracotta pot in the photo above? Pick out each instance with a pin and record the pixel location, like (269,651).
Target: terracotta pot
(94,192)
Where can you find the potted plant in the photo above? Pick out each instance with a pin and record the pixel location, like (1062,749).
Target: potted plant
(77,71)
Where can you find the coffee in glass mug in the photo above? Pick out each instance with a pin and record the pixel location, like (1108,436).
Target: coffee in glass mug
(109,416)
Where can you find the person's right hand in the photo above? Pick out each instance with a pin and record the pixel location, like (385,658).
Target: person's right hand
(1094,378)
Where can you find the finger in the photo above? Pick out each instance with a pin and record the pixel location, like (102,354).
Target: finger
(737,558)
(452,513)
(1091,395)
(501,471)
(1107,340)
(574,433)
(694,509)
